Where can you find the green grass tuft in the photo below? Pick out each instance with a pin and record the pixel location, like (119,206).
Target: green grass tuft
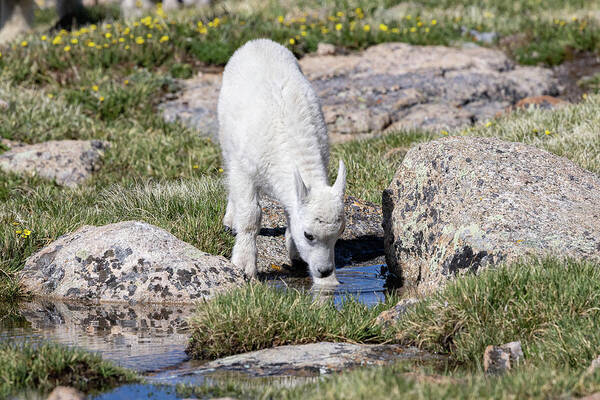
(551,306)
(258,316)
(45,366)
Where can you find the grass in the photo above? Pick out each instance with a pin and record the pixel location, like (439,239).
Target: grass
(257,316)
(552,306)
(45,366)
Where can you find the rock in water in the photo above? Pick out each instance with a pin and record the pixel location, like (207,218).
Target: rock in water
(460,203)
(68,162)
(128,261)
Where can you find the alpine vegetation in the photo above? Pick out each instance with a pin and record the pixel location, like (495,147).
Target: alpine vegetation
(274,141)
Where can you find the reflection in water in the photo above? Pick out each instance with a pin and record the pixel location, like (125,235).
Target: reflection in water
(141,337)
(367,284)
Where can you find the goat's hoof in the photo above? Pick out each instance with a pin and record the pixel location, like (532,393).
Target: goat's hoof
(229,230)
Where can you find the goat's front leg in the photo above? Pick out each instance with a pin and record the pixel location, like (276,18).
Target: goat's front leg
(246,223)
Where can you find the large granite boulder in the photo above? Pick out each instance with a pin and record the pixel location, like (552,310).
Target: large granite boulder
(460,203)
(67,162)
(391,86)
(128,261)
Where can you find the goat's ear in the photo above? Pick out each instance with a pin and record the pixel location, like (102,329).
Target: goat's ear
(340,182)
(301,189)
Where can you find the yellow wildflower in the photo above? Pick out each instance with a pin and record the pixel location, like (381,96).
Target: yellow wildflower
(139,40)
(149,36)
(338,27)
(101,98)
(92,27)
(585,96)
(74,41)
(108,35)
(413,29)
(50,95)
(24,43)
(408,17)
(108,26)
(324,30)
(67,48)
(444,133)
(220,170)
(126,31)
(95,88)
(303,33)
(126,81)
(195,166)
(163,39)
(127,47)
(340,14)
(419,24)
(367,28)
(547,132)
(292,41)
(488,124)
(121,40)
(44,38)
(26,232)
(434,22)
(395,30)
(280,19)
(57,40)
(18,232)
(383,27)
(91,44)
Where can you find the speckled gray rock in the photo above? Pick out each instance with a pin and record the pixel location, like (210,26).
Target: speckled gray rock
(361,242)
(392,86)
(68,162)
(389,317)
(460,203)
(128,261)
(314,358)
(499,359)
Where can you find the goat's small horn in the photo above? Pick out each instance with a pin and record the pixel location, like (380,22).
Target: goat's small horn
(340,181)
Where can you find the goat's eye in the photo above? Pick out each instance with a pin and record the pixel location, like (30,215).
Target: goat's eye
(309,236)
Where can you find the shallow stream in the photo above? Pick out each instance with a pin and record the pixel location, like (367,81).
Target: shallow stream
(152,339)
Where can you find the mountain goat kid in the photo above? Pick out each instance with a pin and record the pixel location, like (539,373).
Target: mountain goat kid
(274,141)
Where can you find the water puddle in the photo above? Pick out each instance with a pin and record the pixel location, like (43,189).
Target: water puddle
(368,284)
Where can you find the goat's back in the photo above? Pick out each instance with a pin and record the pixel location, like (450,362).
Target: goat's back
(270,119)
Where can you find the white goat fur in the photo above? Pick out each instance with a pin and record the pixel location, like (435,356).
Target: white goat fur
(274,141)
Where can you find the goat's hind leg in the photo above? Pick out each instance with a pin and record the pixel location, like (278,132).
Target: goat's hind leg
(246,222)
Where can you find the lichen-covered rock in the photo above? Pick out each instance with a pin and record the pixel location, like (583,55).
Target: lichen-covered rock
(392,86)
(389,317)
(68,162)
(460,203)
(499,359)
(128,261)
(361,241)
(311,359)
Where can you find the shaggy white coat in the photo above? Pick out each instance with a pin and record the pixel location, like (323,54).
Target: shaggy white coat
(274,141)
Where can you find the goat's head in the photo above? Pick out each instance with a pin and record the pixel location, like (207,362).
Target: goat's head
(317,224)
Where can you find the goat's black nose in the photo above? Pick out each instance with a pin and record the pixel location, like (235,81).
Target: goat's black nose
(325,272)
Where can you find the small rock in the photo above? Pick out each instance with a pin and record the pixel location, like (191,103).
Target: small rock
(499,359)
(595,365)
(68,162)
(128,261)
(66,393)
(594,396)
(325,49)
(460,204)
(392,315)
(544,102)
